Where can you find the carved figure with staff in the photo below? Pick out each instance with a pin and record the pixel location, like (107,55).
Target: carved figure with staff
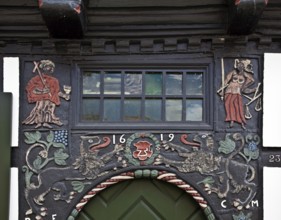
(44,90)
(235,84)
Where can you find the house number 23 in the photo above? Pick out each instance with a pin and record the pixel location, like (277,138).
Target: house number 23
(275,158)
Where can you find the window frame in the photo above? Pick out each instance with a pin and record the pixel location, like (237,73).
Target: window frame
(206,124)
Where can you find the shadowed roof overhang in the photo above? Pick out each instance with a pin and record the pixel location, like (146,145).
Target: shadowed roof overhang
(64,18)
(67,18)
(244,15)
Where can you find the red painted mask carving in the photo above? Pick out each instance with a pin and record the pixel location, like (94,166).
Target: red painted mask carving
(143,150)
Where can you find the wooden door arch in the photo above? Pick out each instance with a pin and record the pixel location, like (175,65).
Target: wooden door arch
(152,199)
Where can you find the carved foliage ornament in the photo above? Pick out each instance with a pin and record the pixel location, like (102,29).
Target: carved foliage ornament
(225,168)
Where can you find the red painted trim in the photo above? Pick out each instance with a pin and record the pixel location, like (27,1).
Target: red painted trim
(185,141)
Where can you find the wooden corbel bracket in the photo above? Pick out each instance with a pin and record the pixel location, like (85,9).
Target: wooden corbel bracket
(64,18)
(244,15)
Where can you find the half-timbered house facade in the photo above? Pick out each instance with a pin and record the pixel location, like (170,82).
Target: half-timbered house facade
(116,109)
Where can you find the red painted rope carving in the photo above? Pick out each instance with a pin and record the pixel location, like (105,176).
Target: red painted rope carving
(102,186)
(171,178)
(164,176)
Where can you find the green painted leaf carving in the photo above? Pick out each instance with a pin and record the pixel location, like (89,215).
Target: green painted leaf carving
(242,216)
(59,145)
(253,154)
(50,137)
(37,163)
(78,186)
(208,180)
(60,157)
(226,146)
(28,175)
(32,137)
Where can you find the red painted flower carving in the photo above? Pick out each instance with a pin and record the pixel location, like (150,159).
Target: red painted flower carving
(143,150)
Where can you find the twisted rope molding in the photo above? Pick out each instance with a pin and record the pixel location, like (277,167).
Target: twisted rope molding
(160,175)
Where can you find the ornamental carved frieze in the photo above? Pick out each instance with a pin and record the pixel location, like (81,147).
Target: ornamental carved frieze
(63,168)
(221,168)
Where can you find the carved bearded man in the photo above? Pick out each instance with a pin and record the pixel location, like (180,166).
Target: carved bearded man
(44,90)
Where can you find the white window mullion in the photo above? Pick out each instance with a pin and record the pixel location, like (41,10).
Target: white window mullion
(271,193)
(14,194)
(272,100)
(11,75)
(11,84)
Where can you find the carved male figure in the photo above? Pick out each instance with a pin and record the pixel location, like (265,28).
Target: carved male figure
(44,90)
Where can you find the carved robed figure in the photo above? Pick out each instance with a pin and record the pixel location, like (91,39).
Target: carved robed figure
(235,84)
(44,90)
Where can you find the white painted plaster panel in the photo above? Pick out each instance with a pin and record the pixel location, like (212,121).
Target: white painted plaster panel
(272,100)
(14,191)
(271,193)
(11,84)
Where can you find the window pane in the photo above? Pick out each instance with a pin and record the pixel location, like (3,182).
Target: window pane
(173,110)
(153,109)
(132,110)
(91,83)
(112,83)
(194,110)
(153,83)
(194,84)
(174,84)
(133,83)
(90,109)
(112,109)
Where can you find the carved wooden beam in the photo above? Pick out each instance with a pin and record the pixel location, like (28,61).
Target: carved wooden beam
(64,18)
(244,15)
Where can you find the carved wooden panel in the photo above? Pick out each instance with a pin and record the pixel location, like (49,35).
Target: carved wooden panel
(64,166)
(142,199)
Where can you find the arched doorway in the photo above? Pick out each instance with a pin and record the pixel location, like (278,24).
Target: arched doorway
(140,199)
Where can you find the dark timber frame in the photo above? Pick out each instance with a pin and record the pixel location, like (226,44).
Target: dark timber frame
(142,35)
(205,64)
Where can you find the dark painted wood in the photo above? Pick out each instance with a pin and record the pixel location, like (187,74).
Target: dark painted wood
(1,74)
(64,19)
(152,3)
(139,34)
(22,19)
(5,147)
(244,15)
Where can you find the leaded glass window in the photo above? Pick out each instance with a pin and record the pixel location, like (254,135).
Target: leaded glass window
(138,96)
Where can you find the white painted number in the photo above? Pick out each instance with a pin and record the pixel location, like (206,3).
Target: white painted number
(114,139)
(171,137)
(122,139)
(274,158)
